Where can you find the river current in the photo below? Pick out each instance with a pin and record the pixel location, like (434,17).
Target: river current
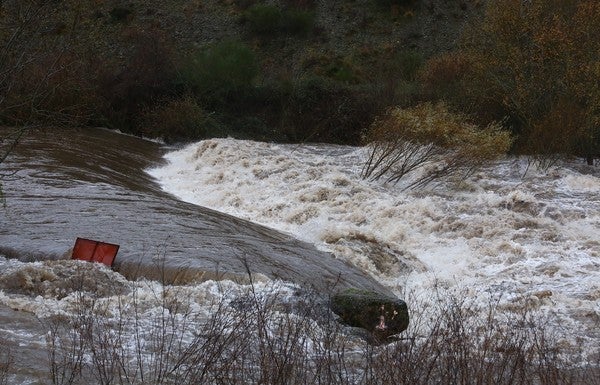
(510,234)
(91,183)
(294,216)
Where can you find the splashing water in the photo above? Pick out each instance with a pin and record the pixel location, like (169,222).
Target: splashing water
(529,242)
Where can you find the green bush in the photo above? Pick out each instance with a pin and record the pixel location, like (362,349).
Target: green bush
(396,79)
(244,4)
(408,63)
(343,69)
(179,120)
(300,4)
(263,19)
(219,72)
(270,20)
(120,14)
(391,3)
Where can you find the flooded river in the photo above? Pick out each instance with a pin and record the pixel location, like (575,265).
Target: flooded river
(527,245)
(64,184)
(91,183)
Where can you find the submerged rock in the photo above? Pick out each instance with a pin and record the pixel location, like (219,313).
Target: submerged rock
(382,316)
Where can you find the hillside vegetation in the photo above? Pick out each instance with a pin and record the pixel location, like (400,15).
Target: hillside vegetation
(305,70)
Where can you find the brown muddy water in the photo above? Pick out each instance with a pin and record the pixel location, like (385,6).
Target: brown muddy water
(91,183)
(63,184)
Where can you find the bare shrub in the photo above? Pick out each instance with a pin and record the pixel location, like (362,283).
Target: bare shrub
(8,142)
(461,342)
(42,83)
(441,74)
(41,79)
(257,338)
(321,110)
(66,346)
(266,335)
(546,142)
(148,74)
(55,89)
(395,76)
(448,77)
(430,140)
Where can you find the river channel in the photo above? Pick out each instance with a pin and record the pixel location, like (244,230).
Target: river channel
(91,183)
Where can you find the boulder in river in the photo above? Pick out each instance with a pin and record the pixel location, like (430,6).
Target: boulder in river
(381,315)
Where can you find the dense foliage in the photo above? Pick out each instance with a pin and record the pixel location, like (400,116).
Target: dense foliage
(532,65)
(539,63)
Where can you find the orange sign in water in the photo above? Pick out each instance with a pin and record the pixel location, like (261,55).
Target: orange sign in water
(94,251)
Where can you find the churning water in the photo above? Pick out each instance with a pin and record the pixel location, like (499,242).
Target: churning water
(525,241)
(529,242)
(64,184)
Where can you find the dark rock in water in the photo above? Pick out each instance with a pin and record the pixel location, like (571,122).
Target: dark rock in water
(381,315)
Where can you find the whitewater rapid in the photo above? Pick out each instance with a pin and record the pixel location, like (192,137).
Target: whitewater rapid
(528,241)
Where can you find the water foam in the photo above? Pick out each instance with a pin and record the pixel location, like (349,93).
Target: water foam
(531,240)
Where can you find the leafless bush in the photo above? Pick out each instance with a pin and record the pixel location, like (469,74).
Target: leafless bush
(66,345)
(16,21)
(8,141)
(429,143)
(41,81)
(178,119)
(562,127)
(249,339)
(263,336)
(466,344)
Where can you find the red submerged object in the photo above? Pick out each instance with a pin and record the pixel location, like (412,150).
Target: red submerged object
(94,251)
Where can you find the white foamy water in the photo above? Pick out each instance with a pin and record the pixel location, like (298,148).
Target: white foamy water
(130,317)
(54,288)
(528,242)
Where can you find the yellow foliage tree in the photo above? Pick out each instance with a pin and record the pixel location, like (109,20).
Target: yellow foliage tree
(541,60)
(429,143)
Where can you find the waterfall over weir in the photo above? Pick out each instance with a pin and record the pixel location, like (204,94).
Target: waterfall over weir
(91,183)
